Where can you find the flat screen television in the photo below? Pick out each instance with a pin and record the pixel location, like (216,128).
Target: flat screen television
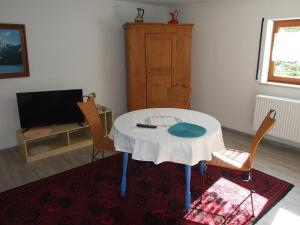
(49,107)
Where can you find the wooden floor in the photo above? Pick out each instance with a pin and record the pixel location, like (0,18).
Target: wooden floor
(275,160)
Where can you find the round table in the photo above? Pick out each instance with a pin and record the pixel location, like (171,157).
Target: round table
(158,145)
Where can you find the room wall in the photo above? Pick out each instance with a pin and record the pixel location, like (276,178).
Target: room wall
(71,44)
(224,56)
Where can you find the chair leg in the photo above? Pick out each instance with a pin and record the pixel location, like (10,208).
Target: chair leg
(202,189)
(90,175)
(203,169)
(252,190)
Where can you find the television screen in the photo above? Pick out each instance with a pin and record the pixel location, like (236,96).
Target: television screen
(49,107)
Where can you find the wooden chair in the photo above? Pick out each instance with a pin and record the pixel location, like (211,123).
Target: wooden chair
(241,160)
(100,143)
(179,96)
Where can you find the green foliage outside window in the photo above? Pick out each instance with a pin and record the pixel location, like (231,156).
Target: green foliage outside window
(287,69)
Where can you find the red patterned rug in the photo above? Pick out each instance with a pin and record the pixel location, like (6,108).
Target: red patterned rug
(155,195)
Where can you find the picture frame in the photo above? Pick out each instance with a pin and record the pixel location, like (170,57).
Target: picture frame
(13,51)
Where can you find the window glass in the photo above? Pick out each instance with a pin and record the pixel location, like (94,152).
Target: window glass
(285,52)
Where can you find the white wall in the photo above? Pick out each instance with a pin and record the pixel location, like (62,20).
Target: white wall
(71,44)
(224,55)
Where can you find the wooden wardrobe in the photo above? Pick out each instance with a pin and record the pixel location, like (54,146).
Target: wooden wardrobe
(158,56)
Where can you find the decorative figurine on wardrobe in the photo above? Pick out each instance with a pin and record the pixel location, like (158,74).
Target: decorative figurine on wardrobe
(174,16)
(140,17)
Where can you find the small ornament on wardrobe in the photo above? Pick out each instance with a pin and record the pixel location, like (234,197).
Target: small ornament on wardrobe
(174,16)
(140,17)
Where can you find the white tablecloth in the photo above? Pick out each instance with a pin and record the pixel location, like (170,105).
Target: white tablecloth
(158,145)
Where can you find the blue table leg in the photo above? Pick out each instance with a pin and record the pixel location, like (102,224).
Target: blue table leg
(187,190)
(123,180)
(202,168)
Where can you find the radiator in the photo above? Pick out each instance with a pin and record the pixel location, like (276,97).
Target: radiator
(287,125)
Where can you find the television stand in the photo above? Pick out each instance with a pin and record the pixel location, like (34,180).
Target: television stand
(81,124)
(58,138)
(26,129)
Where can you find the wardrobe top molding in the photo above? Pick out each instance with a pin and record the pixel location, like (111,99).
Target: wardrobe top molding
(163,25)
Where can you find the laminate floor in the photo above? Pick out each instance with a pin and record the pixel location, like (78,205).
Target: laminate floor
(275,160)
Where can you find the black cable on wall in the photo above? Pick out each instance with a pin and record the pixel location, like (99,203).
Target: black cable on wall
(259,48)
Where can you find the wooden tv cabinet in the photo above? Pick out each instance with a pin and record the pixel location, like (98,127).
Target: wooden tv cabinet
(62,138)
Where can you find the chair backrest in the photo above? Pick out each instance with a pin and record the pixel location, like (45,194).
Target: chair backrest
(179,96)
(90,113)
(266,124)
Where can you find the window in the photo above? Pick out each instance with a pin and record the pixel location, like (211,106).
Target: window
(284,64)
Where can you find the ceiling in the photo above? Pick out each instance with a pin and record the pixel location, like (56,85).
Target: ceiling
(163,2)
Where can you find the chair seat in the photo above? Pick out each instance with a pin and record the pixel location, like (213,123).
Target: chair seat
(105,144)
(232,159)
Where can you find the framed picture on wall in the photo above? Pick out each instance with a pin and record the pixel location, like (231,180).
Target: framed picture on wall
(13,51)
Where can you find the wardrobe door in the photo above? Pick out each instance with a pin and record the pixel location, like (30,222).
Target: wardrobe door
(135,68)
(160,65)
(183,57)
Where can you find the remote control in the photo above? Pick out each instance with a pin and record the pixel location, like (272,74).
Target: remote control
(145,125)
